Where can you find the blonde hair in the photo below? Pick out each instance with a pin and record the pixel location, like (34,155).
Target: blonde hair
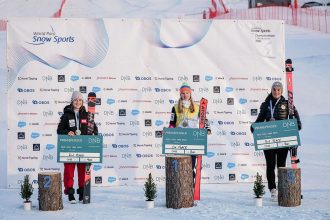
(191,107)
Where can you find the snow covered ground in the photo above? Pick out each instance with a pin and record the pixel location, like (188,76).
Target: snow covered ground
(310,52)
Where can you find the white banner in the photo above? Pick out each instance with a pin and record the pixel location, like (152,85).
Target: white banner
(135,67)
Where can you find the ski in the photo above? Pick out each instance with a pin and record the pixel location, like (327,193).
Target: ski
(202,117)
(289,69)
(90,129)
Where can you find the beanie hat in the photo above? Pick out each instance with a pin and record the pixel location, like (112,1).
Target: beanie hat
(277,84)
(76,95)
(185,88)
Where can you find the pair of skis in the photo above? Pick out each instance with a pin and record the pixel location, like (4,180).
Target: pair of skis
(289,69)
(202,117)
(90,129)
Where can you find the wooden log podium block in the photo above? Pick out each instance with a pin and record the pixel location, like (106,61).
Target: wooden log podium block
(289,187)
(179,182)
(50,191)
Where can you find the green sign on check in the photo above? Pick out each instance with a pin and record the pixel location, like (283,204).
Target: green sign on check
(276,134)
(185,141)
(79,149)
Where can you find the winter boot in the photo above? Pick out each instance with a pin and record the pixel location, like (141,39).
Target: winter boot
(80,192)
(72,200)
(273,196)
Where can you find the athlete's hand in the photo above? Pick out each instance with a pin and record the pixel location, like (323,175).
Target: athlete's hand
(71,133)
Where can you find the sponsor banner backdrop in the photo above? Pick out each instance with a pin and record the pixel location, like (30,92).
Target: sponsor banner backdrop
(135,67)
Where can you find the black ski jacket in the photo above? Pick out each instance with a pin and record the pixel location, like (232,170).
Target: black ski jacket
(68,121)
(281,111)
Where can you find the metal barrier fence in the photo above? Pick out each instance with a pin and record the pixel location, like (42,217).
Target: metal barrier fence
(312,18)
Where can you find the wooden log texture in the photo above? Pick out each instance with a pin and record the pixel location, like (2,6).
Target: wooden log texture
(50,191)
(289,187)
(179,182)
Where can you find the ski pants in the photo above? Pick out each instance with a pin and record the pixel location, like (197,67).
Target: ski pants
(69,175)
(274,157)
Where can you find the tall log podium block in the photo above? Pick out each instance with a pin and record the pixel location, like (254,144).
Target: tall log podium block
(179,182)
(289,187)
(50,191)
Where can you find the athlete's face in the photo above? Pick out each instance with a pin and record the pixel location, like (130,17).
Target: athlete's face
(77,103)
(185,95)
(276,92)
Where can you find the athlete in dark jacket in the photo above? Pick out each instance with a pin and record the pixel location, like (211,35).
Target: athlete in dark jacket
(275,107)
(74,122)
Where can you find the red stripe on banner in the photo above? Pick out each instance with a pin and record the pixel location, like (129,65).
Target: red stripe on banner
(58,14)
(3,25)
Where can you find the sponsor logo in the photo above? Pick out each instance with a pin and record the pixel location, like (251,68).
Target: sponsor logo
(25,90)
(235,144)
(238,133)
(226,122)
(125,78)
(110,101)
(242,101)
(217,101)
(221,133)
(22,102)
(231,165)
(111,179)
(257,78)
(229,89)
(35,135)
(97,167)
(74,78)
(144,155)
(269,78)
(146,89)
(96,89)
(47,157)
(238,78)
(247,144)
(206,165)
(83,89)
(208,78)
(219,177)
(203,90)
(27,158)
(122,112)
(21,124)
(120,145)
(210,154)
(47,78)
(36,102)
(50,146)
(147,122)
(240,89)
(218,165)
(159,101)
(98,180)
(21,147)
(108,113)
(105,77)
(162,90)
(164,78)
(195,78)
(142,78)
(126,156)
(159,122)
(148,166)
(182,78)
(244,176)
(135,112)
(241,112)
(158,134)
(258,154)
(160,167)
(20,169)
(36,147)
(26,78)
(20,135)
(216,89)
(47,113)
(107,134)
(232,177)
(230,101)
(254,112)
(61,78)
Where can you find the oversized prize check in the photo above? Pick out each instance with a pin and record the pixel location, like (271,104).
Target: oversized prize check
(79,149)
(184,141)
(276,134)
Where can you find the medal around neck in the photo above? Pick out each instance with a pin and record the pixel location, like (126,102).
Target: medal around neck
(78,132)
(184,124)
